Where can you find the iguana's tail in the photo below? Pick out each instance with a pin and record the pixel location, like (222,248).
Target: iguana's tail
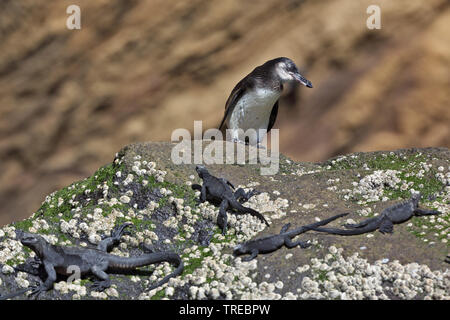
(14,294)
(125,263)
(346,232)
(174,258)
(313,226)
(236,205)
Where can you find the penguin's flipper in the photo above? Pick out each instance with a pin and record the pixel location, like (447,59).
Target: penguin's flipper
(236,94)
(273,116)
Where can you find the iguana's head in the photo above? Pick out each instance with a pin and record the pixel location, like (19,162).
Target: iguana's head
(239,249)
(415,198)
(33,241)
(201,170)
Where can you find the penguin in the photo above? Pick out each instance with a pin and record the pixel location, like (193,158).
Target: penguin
(253,102)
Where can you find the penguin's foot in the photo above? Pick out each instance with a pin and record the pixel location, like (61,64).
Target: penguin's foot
(238,141)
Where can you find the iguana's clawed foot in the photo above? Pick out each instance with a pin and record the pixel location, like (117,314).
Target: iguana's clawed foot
(224,231)
(197,187)
(248,258)
(252,193)
(222,222)
(35,264)
(305,245)
(119,231)
(146,248)
(36,290)
(100,286)
(198,201)
(243,196)
(32,267)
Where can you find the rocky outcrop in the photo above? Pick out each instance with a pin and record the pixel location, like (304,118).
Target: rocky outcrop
(144,186)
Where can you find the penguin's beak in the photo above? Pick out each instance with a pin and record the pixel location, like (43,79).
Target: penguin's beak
(298,77)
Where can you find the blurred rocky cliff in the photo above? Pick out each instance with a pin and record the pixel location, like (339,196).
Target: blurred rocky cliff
(137,70)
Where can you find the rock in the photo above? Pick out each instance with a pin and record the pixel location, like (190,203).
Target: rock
(168,217)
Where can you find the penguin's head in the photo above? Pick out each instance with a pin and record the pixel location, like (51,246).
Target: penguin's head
(287,71)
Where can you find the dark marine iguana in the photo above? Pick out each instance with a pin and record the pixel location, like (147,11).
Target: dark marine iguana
(219,190)
(57,260)
(273,242)
(395,214)
(239,194)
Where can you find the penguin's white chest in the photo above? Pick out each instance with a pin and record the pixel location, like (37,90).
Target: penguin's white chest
(253,110)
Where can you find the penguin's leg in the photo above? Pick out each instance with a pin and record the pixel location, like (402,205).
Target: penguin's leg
(260,138)
(236,140)
(235,136)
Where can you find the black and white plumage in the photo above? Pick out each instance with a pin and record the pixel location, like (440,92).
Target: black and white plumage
(253,103)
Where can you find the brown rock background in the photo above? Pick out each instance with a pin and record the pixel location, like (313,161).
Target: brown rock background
(137,70)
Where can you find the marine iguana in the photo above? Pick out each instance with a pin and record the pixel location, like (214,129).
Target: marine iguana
(58,259)
(239,194)
(219,190)
(395,214)
(273,242)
